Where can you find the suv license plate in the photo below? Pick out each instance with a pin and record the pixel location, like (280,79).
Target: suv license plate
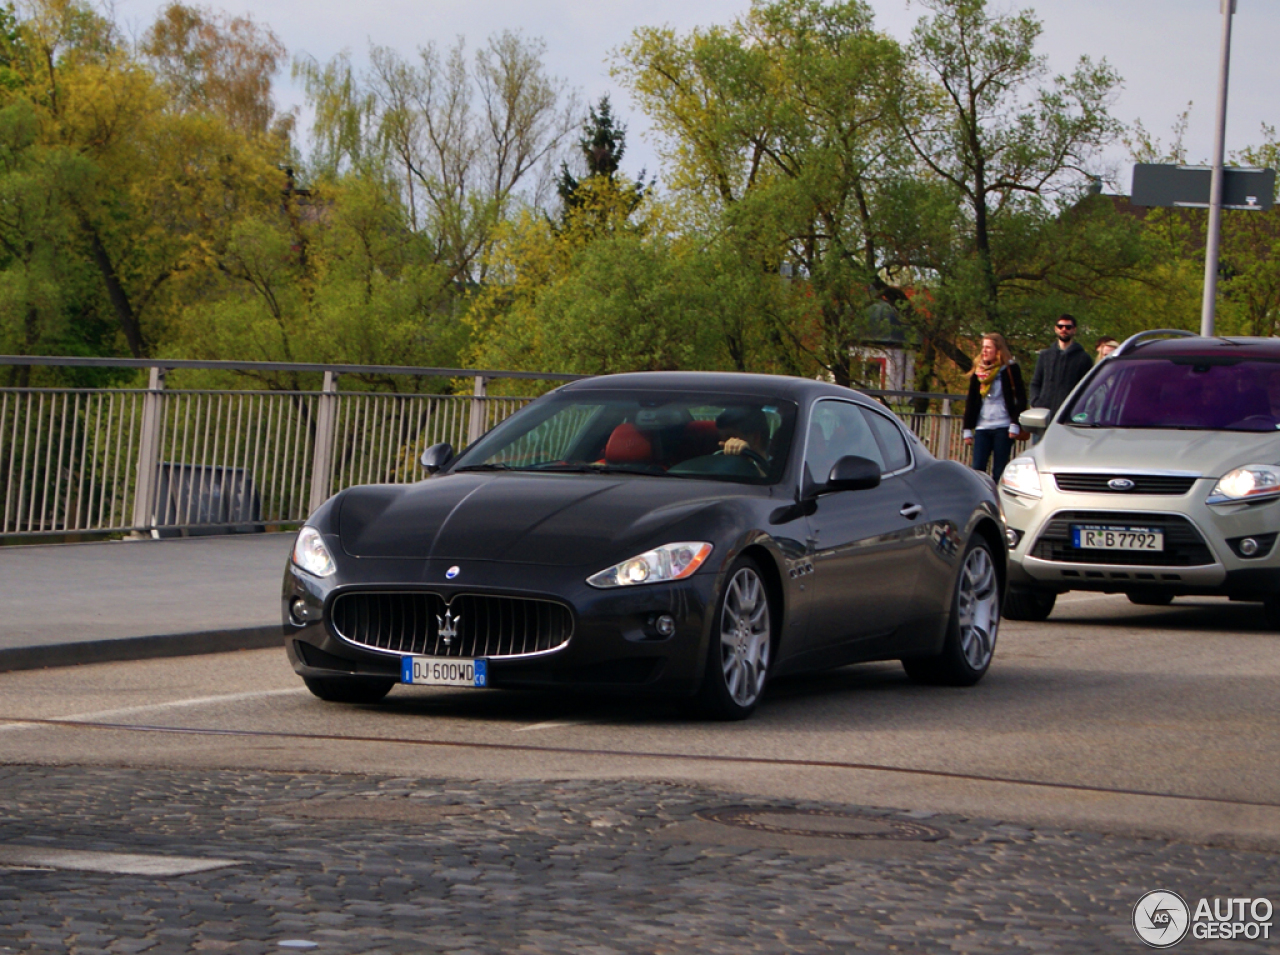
(444,671)
(1087,536)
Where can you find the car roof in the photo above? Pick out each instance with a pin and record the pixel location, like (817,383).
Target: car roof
(724,382)
(1197,346)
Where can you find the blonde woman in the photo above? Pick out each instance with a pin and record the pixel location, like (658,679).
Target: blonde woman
(996,398)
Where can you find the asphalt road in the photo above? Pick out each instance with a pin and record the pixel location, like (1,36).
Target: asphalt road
(209,803)
(1144,721)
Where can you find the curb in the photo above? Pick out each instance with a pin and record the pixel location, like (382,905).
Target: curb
(139,648)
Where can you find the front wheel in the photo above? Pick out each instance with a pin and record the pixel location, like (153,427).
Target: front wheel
(1029,604)
(741,646)
(971,630)
(341,689)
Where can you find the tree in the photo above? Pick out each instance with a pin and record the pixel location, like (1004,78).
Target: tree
(781,141)
(601,148)
(1017,152)
(215,63)
(466,141)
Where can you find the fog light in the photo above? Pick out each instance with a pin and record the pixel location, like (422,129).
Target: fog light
(665,625)
(299,610)
(1248,547)
(1012,536)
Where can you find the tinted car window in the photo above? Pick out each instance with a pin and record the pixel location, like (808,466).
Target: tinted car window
(896,455)
(836,429)
(1187,393)
(656,433)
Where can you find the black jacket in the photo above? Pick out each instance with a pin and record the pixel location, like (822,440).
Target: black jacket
(1058,370)
(1015,396)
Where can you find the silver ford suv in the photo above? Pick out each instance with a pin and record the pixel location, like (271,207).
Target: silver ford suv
(1158,477)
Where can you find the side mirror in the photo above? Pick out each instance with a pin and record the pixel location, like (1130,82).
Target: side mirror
(436,457)
(1035,419)
(852,473)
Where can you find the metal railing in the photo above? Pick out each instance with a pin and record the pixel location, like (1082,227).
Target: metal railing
(167,461)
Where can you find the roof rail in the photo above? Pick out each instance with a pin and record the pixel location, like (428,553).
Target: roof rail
(1135,341)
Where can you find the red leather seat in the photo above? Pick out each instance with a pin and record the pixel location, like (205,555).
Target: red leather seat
(628,445)
(699,439)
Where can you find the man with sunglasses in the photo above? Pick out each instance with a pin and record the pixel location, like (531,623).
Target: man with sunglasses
(1059,367)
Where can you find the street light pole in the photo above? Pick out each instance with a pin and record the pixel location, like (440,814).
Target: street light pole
(1213,237)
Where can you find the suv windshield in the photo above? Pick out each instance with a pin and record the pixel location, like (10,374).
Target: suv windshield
(1194,393)
(666,435)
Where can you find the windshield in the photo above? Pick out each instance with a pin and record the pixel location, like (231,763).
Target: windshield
(1183,393)
(735,438)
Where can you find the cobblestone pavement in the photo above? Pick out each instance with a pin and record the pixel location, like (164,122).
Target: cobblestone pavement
(362,864)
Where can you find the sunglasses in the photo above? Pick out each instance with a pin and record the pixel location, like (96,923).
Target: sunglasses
(1067,326)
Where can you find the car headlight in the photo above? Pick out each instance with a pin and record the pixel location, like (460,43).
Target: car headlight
(311,554)
(1021,476)
(668,562)
(1253,482)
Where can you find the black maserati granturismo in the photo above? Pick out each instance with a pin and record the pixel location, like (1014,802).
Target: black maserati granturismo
(693,535)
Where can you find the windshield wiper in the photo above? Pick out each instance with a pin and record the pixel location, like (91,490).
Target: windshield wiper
(489,466)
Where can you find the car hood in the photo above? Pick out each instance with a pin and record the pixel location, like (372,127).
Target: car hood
(520,518)
(1207,453)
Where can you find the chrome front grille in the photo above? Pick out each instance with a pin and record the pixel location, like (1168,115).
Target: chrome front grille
(1142,483)
(470,625)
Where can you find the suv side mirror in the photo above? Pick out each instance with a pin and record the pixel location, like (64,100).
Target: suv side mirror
(1035,419)
(436,457)
(852,473)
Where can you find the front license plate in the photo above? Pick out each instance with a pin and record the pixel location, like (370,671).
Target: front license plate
(444,671)
(1086,536)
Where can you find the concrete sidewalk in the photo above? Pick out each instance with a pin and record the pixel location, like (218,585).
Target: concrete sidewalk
(64,604)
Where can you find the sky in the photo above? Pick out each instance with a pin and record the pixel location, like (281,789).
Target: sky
(1168,52)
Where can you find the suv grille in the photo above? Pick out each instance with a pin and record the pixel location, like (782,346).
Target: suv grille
(1183,545)
(486,626)
(1142,483)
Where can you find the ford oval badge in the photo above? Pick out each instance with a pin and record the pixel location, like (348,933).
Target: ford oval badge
(1121,484)
(452,572)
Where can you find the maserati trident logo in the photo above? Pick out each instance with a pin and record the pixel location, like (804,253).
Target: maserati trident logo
(1121,484)
(448,625)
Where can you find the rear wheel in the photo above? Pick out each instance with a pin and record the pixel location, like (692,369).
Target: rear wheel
(741,646)
(1149,598)
(342,689)
(1029,604)
(971,630)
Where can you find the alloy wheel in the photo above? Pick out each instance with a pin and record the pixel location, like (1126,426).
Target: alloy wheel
(744,637)
(978,606)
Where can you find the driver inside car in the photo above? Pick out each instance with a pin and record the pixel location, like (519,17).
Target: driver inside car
(745,431)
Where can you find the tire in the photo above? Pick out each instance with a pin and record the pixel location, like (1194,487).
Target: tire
(1149,598)
(1271,608)
(971,627)
(741,646)
(341,689)
(1029,604)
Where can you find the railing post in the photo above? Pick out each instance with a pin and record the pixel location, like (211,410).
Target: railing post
(944,432)
(479,404)
(322,453)
(144,495)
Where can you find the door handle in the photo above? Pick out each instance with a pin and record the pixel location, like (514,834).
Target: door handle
(911,511)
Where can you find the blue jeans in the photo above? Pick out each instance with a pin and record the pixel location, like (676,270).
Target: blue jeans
(994,444)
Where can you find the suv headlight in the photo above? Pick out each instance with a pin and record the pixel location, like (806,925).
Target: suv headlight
(1021,476)
(668,562)
(1253,482)
(311,554)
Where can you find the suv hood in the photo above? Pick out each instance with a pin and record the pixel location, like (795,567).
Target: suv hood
(1209,454)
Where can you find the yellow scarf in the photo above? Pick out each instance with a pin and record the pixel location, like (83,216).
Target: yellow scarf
(987,375)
